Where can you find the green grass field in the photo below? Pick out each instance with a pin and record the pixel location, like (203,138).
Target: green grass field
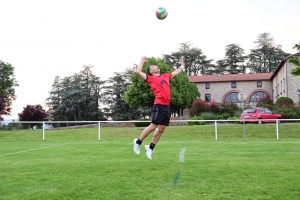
(74,164)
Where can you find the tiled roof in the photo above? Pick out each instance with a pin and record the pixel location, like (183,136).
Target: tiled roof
(282,63)
(231,77)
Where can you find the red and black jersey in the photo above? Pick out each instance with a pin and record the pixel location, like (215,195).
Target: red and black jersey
(160,86)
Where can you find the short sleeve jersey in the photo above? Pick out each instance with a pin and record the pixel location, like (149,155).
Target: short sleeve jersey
(160,86)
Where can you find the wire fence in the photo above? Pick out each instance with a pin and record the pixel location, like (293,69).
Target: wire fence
(219,127)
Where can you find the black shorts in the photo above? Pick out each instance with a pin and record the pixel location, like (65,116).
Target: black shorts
(161,114)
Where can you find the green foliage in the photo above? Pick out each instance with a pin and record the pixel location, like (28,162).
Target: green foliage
(195,61)
(7,88)
(266,56)
(208,116)
(247,107)
(139,94)
(76,97)
(285,100)
(233,63)
(142,124)
(234,118)
(266,102)
(196,122)
(296,61)
(237,113)
(114,96)
(14,126)
(229,108)
(287,110)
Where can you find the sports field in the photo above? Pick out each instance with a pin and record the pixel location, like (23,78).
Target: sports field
(188,163)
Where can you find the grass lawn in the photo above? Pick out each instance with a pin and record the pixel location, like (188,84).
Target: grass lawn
(74,164)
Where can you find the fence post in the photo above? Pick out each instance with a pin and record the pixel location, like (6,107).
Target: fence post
(216,130)
(99,125)
(277,132)
(43,131)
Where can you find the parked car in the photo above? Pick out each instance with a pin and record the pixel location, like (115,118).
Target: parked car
(259,115)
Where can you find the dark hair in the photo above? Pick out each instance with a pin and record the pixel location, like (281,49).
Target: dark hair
(148,71)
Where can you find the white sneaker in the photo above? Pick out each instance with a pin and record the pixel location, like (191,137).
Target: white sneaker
(136,147)
(148,151)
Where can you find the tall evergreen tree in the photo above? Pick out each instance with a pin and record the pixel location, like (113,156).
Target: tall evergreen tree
(266,56)
(196,62)
(234,59)
(113,97)
(77,97)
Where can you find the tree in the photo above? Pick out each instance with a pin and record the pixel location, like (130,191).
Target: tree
(183,93)
(195,61)
(33,113)
(7,91)
(233,63)
(113,97)
(266,56)
(296,61)
(77,97)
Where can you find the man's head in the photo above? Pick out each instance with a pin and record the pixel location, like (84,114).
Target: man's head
(153,70)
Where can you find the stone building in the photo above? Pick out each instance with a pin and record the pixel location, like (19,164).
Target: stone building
(226,87)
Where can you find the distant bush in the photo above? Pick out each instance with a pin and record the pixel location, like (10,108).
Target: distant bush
(2,127)
(237,113)
(208,116)
(196,122)
(229,108)
(142,124)
(14,126)
(234,118)
(287,110)
(266,100)
(213,107)
(197,107)
(284,100)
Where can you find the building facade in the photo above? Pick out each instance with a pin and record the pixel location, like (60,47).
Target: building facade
(227,87)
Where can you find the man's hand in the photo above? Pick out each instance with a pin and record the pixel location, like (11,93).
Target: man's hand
(143,59)
(139,68)
(182,63)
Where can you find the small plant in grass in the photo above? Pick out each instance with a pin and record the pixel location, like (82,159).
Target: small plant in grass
(196,122)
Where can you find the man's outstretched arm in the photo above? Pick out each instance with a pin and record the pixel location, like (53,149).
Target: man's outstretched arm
(178,70)
(140,67)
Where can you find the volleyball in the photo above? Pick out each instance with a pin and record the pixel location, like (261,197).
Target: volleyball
(161,13)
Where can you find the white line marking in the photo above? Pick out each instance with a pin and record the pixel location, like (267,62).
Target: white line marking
(32,150)
(181,155)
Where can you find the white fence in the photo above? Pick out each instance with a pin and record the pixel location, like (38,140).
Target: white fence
(99,124)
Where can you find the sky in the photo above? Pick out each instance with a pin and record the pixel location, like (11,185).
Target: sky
(42,39)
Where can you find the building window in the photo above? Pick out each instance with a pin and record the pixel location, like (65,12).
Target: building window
(259,84)
(233,84)
(254,99)
(207,98)
(233,97)
(207,86)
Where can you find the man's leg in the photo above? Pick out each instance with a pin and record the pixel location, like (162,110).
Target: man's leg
(138,141)
(150,148)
